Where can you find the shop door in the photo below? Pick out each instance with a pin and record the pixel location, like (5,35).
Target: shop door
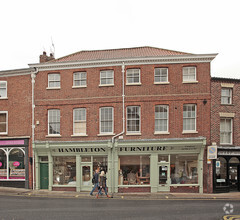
(43,175)
(233,177)
(86,178)
(163,177)
(238,177)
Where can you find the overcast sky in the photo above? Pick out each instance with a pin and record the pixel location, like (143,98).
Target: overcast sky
(195,26)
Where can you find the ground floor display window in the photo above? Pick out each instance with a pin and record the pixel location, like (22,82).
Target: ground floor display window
(12,163)
(101,162)
(134,170)
(64,170)
(184,169)
(221,171)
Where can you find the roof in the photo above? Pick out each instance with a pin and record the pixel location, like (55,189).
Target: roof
(136,52)
(225,79)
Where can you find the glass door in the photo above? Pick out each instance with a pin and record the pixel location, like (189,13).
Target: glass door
(86,177)
(163,177)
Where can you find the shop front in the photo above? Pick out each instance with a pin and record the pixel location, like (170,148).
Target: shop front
(226,170)
(165,165)
(14,163)
(64,166)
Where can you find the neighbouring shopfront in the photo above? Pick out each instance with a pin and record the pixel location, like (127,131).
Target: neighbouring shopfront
(226,170)
(14,163)
(173,165)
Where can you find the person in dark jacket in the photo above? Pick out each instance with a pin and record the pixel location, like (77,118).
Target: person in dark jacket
(95,181)
(103,184)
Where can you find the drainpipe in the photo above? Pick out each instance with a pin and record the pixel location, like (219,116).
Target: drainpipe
(123,125)
(33,76)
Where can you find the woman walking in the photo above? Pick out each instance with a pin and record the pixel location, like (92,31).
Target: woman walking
(103,184)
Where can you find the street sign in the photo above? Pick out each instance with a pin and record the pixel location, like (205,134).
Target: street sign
(212,152)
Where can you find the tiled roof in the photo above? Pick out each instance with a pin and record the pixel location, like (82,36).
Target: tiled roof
(136,52)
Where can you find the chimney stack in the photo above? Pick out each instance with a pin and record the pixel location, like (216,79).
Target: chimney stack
(45,58)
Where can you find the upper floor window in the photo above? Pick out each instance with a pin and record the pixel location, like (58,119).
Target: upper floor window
(54,80)
(107,77)
(54,122)
(161,118)
(133,76)
(226,131)
(133,119)
(161,75)
(79,79)
(189,117)
(189,74)
(226,96)
(3,122)
(79,121)
(3,89)
(106,120)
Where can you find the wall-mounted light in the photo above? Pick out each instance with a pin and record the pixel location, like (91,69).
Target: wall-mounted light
(204,101)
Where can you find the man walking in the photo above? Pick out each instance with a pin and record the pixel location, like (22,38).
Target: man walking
(95,180)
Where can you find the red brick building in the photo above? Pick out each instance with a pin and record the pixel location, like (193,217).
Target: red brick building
(15,128)
(225,126)
(141,114)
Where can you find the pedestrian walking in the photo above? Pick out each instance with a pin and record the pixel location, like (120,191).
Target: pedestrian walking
(103,184)
(95,181)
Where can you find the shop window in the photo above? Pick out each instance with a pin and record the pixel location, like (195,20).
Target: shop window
(221,171)
(3,164)
(64,170)
(184,169)
(100,162)
(134,170)
(162,158)
(16,164)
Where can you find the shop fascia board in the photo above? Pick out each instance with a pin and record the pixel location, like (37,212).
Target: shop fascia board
(69,144)
(193,58)
(162,142)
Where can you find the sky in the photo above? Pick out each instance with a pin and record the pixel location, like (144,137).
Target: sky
(29,27)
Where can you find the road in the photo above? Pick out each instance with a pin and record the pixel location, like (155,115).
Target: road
(24,208)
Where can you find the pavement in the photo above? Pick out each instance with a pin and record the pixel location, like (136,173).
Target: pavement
(130,196)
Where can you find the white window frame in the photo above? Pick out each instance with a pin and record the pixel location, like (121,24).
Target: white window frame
(191,117)
(4,112)
(108,120)
(106,72)
(82,79)
(186,75)
(79,121)
(160,119)
(4,97)
(133,119)
(161,69)
(54,80)
(57,110)
(132,72)
(224,132)
(229,98)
